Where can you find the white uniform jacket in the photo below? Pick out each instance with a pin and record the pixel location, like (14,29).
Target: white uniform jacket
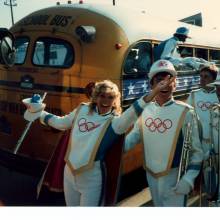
(202,100)
(91,134)
(170,48)
(161,130)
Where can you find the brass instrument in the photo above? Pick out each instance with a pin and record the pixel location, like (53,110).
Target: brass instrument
(213,177)
(184,160)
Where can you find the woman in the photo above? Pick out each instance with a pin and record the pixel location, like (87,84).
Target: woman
(94,127)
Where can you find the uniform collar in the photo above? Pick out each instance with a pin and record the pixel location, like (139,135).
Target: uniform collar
(176,38)
(211,91)
(108,113)
(169,102)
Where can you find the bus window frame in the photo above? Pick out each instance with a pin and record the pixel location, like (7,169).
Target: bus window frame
(214,49)
(201,48)
(186,46)
(137,74)
(27,50)
(54,66)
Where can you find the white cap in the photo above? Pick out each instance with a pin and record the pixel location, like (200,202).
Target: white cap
(161,66)
(34,107)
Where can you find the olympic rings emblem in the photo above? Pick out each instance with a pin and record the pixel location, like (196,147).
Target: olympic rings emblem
(204,106)
(158,125)
(85,126)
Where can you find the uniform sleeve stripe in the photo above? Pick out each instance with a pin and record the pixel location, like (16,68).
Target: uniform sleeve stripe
(47,118)
(137,108)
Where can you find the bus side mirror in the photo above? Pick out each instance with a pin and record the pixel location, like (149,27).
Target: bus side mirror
(86,33)
(7,50)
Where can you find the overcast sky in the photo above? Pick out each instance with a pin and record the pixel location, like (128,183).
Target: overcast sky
(174,9)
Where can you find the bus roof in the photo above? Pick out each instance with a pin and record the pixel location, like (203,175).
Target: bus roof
(139,24)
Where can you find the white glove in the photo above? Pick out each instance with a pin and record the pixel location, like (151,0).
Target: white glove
(183,187)
(34,107)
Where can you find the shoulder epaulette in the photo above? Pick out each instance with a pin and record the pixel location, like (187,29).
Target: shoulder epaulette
(195,90)
(178,102)
(84,103)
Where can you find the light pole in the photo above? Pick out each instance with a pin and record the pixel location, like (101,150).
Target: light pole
(11,3)
(113,2)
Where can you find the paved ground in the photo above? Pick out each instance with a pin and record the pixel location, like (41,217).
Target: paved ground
(17,189)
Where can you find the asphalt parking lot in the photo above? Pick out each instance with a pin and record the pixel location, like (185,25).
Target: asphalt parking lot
(17,189)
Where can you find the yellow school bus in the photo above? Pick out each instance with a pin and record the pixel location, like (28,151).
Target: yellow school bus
(61,50)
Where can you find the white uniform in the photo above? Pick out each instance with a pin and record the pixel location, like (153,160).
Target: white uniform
(211,171)
(201,100)
(91,136)
(215,128)
(167,49)
(170,49)
(160,129)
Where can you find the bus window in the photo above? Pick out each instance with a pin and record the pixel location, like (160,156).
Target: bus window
(138,60)
(21,46)
(201,53)
(215,56)
(53,53)
(185,51)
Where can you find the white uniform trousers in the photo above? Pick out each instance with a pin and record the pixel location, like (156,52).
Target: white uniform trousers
(83,189)
(161,189)
(206,147)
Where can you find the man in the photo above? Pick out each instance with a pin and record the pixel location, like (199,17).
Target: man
(202,100)
(168,48)
(161,128)
(211,164)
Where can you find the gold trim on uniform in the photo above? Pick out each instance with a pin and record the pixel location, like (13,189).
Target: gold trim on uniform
(90,164)
(170,161)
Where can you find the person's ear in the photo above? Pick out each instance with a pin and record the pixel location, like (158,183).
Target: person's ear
(174,85)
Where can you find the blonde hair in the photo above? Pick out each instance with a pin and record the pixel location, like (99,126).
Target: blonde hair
(110,87)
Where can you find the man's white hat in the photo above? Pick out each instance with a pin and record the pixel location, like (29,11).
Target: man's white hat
(161,66)
(34,107)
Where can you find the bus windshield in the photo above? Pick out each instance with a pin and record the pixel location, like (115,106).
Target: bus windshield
(21,45)
(53,52)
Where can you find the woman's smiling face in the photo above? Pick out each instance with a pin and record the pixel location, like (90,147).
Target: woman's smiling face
(105,102)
